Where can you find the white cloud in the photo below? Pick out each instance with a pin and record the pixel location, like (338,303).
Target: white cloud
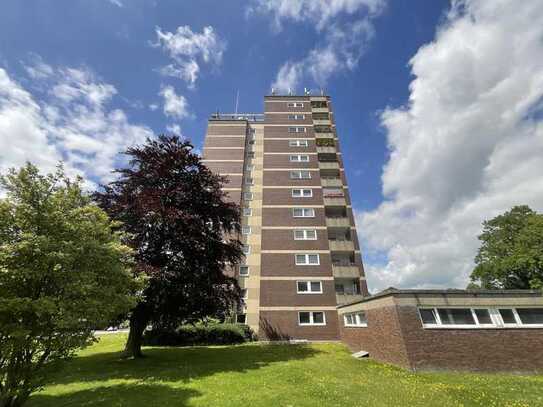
(174,105)
(341,50)
(174,129)
(189,50)
(466,147)
(318,12)
(70,122)
(117,3)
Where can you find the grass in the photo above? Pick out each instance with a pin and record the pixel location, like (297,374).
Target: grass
(268,375)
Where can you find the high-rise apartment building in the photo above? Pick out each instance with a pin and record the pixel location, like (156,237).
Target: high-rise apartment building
(302,257)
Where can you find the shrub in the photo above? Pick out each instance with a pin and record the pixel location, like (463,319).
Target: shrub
(189,335)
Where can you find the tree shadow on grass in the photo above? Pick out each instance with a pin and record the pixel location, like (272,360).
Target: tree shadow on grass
(137,394)
(176,365)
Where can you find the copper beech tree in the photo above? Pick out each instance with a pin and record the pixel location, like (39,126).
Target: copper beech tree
(182,230)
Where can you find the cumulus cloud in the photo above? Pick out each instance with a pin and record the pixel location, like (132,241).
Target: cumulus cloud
(174,105)
(65,116)
(345,28)
(466,147)
(189,50)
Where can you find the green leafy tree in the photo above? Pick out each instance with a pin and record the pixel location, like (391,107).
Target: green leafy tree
(63,272)
(184,234)
(511,254)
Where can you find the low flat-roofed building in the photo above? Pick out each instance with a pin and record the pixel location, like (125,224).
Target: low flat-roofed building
(489,330)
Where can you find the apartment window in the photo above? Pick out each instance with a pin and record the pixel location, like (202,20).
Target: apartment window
(246,230)
(249,168)
(309,287)
(318,104)
(246,249)
(244,293)
(300,175)
(299,158)
(252,140)
(305,234)
(296,116)
(303,212)
(322,129)
(248,196)
(247,211)
(530,316)
(249,181)
(355,319)
(298,143)
(241,318)
(297,130)
(302,193)
(311,318)
(321,116)
(244,271)
(295,104)
(307,260)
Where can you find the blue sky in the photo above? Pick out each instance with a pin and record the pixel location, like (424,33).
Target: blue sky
(83,79)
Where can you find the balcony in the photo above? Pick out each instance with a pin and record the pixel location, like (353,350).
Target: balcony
(335,201)
(326,150)
(338,222)
(341,245)
(332,165)
(322,122)
(327,135)
(346,271)
(331,182)
(320,110)
(348,298)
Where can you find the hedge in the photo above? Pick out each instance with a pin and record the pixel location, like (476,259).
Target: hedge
(189,335)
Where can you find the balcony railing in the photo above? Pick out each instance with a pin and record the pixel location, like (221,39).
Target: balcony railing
(326,149)
(331,182)
(338,222)
(331,165)
(341,245)
(251,117)
(347,298)
(346,271)
(335,201)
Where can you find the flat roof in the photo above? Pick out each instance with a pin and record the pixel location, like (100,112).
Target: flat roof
(447,292)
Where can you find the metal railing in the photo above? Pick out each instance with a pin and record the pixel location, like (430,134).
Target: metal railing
(251,117)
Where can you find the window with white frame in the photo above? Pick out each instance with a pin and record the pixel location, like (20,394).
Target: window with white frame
(297,129)
(246,230)
(246,249)
(296,116)
(302,193)
(299,158)
(311,318)
(355,319)
(305,234)
(244,271)
(303,212)
(295,104)
(307,259)
(248,196)
(300,175)
(244,293)
(247,211)
(298,143)
(482,317)
(309,287)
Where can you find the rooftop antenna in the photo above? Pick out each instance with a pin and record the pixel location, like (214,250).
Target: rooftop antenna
(322,92)
(289,91)
(273,92)
(307,91)
(237,101)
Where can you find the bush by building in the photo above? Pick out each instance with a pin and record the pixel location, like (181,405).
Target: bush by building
(190,335)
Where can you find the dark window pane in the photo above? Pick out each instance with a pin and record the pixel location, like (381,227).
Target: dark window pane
(530,315)
(302,286)
(318,317)
(362,318)
(508,316)
(315,286)
(428,316)
(456,316)
(483,316)
(241,318)
(304,317)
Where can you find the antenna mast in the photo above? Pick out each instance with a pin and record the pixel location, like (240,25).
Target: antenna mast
(237,101)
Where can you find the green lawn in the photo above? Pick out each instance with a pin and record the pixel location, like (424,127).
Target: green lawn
(268,375)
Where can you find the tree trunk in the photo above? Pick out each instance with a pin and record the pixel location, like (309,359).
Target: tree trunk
(138,322)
